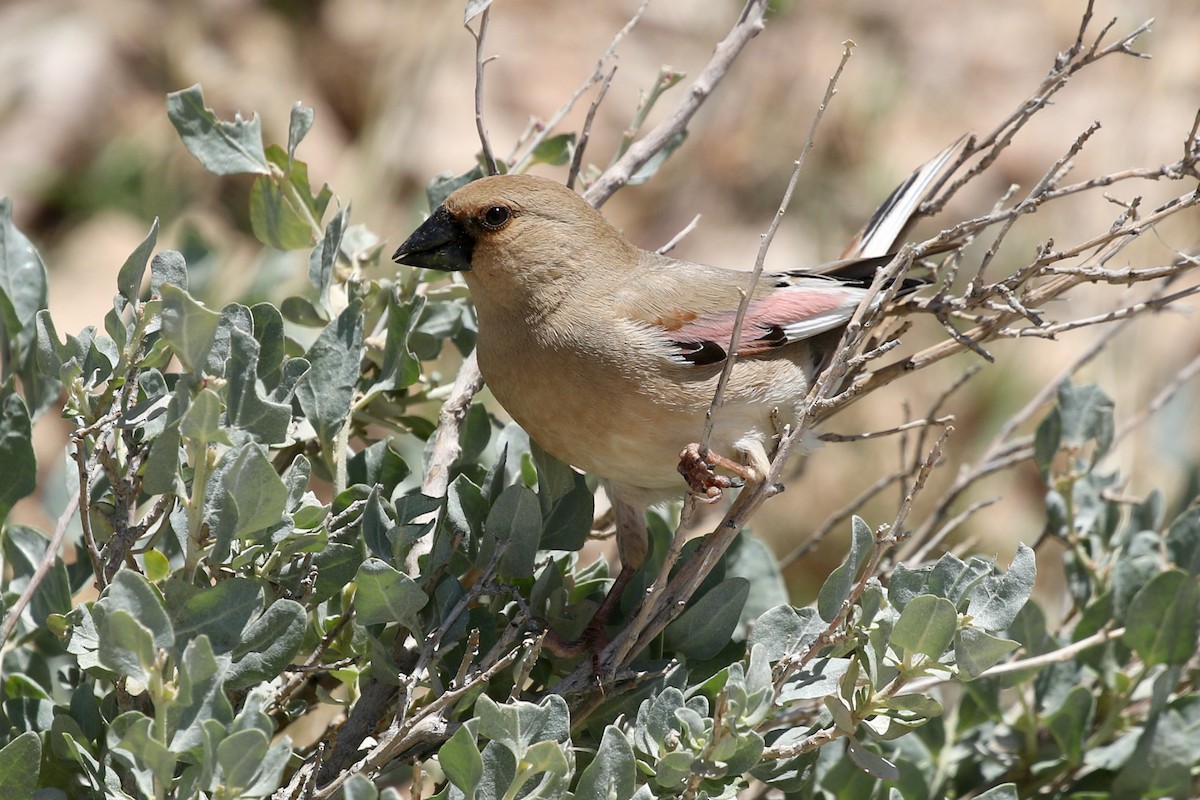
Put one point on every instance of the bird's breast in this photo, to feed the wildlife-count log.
(601, 402)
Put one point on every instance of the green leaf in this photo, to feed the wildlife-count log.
(24, 548)
(1046, 441)
(240, 754)
(871, 762)
(706, 627)
(998, 598)
(751, 558)
(219, 613)
(518, 724)
(268, 644)
(1161, 623)
(976, 651)
(326, 392)
(819, 679)
(837, 586)
(299, 123)
(612, 772)
(1071, 721)
(200, 697)
(546, 757)
(167, 268)
(474, 8)
(460, 760)
(323, 258)
(784, 631)
(1183, 541)
(1162, 763)
(926, 626)
(133, 730)
(267, 421)
(223, 148)
(1005, 791)
(23, 287)
(385, 594)
(126, 645)
(570, 519)
(18, 464)
(357, 787)
(132, 593)
(554, 150)
(284, 213)
(515, 525)
(400, 368)
(18, 760)
(188, 327)
(255, 492)
(1087, 413)
(129, 279)
(444, 184)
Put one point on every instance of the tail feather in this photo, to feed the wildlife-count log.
(892, 220)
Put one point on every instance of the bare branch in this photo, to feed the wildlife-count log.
(542, 131)
(677, 238)
(767, 238)
(586, 132)
(749, 23)
(489, 160)
(446, 447)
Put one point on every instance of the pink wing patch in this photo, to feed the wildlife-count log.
(776, 320)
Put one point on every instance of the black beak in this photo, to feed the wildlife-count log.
(441, 243)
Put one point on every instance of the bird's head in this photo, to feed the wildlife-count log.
(516, 234)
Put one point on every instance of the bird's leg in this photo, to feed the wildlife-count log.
(698, 467)
(631, 547)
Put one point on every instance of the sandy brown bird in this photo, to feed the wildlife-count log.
(608, 355)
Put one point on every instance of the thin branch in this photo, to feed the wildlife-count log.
(1163, 397)
(446, 446)
(586, 132)
(544, 130)
(749, 23)
(1059, 656)
(760, 260)
(39, 574)
(679, 237)
(928, 422)
(489, 160)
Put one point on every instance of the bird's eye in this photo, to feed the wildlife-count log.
(496, 217)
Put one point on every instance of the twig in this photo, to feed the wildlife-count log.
(677, 238)
(1163, 397)
(446, 446)
(928, 422)
(749, 23)
(545, 129)
(489, 160)
(923, 685)
(39, 574)
(586, 132)
(760, 260)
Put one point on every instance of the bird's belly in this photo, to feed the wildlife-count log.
(620, 426)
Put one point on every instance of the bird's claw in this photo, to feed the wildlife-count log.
(697, 468)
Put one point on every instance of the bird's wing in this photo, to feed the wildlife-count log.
(695, 307)
(694, 315)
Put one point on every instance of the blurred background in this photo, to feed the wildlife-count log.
(88, 158)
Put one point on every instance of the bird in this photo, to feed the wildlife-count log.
(608, 355)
